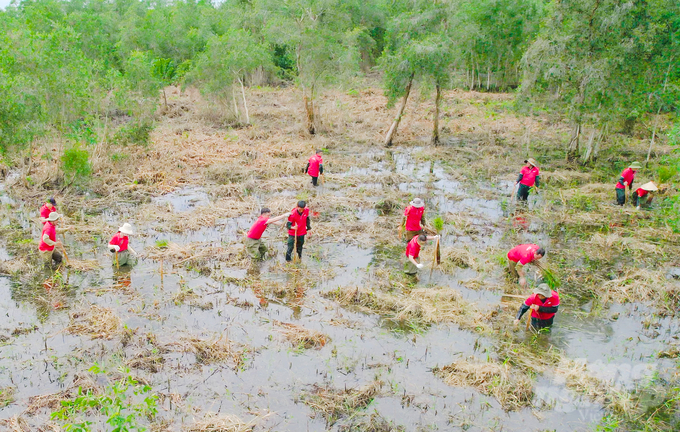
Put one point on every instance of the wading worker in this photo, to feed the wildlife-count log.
(413, 264)
(298, 225)
(414, 218)
(254, 245)
(543, 304)
(521, 255)
(528, 177)
(49, 242)
(626, 179)
(643, 196)
(47, 208)
(119, 244)
(315, 167)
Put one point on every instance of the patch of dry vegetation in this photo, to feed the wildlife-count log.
(334, 404)
(53, 401)
(7, 395)
(512, 389)
(96, 322)
(422, 305)
(301, 337)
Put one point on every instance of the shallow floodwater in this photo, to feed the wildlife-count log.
(42, 358)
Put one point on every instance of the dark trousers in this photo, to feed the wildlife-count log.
(291, 245)
(620, 196)
(523, 192)
(541, 324)
(315, 181)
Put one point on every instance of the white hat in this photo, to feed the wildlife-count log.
(544, 290)
(53, 216)
(126, 229)
(417, 202)
(649, 186)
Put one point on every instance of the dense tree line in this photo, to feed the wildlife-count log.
(67, 65)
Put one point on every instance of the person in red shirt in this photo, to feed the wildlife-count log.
(638, 197)
(48, 241)
(521, 255)
(47, 208)
(298, 225)
(413, 264)
(626, 179)
(119, 244)
(528, 177)
(414, 218)
(543, 303)
(315, 167)
(254, 245)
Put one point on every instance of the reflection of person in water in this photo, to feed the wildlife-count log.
(122, 277)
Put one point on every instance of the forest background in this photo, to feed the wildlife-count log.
(93, 70)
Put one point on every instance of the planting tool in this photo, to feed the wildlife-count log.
(529, 318)
(401, 232)
(296, 257)
(437, 257)
(514, 189)
(65, 254)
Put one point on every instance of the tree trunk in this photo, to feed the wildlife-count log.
(165, 98)
(309, 110)
(395, 124)
(588, 155)
(435, 121)
(488, 77)
(233, 98)
(573, 148)
(245, 104)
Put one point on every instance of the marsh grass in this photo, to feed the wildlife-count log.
(301, 337)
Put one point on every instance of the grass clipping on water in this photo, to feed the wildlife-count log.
(208, 352)
(334, 403)
(512, 390)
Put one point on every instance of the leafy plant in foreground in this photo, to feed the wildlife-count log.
(125, 402)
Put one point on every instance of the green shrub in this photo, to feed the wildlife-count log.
(75, 162)
(133, 133)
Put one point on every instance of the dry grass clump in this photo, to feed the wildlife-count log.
(333, 404)
(19, 424)
(513, 390)
(211, 351)
(634, 285)
(423, 305)
(455, 257)
(82, 265)
(222, 423)
(198, 253)
(14, 266)
(96, 321)
(299, 336)
(149, 360)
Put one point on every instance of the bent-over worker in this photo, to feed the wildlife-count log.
(626, 179)
(119, 243)
(254, 244)
(315, 167)
(298, 225)
(49, 242)
(543, 304)
(414, 218)
(47, 208)
(638, 197)
(528, 177)
(413, 264)
(521, 255)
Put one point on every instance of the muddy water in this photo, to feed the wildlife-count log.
(617, 347)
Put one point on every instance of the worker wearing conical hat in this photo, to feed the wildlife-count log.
(119, 245)
(626, 179)
(642, 197)
(528, 177)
